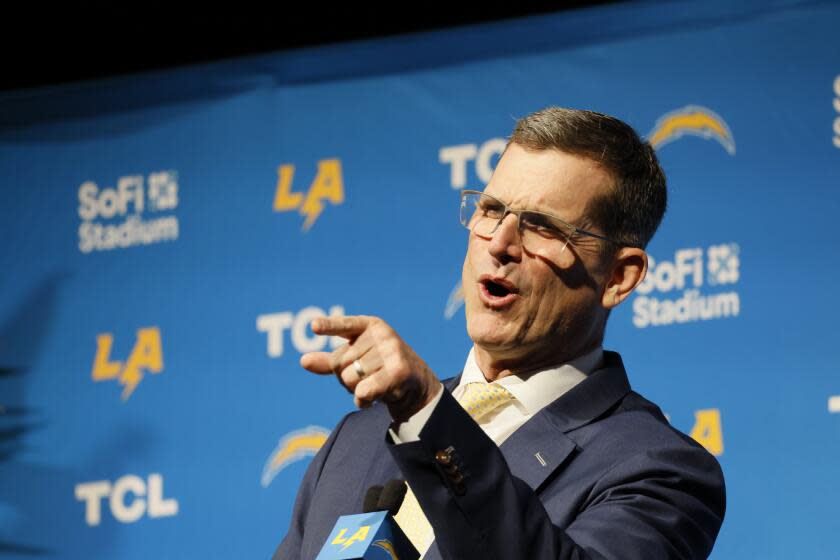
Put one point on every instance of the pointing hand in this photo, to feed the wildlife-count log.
(374, 364)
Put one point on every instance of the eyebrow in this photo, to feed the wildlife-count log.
(586, 223)
(552, 213)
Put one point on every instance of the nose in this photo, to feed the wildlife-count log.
(506, 243)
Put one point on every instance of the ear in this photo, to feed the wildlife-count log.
(628, 269)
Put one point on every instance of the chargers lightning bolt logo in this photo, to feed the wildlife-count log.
(695, 121)
(387, 547)
(292, 447)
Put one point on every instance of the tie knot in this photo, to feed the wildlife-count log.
(481, 398)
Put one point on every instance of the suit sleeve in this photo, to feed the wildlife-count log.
(664, 503)
(290, 547)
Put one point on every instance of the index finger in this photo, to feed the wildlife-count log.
(348, 327)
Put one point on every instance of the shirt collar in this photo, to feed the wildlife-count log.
(538, 389)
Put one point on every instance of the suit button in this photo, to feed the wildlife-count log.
(457, 478)
(444, 458)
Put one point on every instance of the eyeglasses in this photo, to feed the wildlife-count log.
(541, 233)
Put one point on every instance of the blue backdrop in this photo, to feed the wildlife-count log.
(167, 237)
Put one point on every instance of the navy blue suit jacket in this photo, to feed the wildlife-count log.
(599, 473)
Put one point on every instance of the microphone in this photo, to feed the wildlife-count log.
(372, 499)
(392, 496)
(372, 535)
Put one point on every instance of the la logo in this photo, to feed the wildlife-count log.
(146, 355)
(360, 535)
(328, 185)
(707, 430)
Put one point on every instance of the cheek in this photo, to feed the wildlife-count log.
(468, 276)
(466, 270)
(545, 304)
(550, 302)
(470, 270)
(466, 281)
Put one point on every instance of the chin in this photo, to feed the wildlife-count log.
(489, 332)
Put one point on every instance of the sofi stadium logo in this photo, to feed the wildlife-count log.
(695, 285)
(294, 446)
(116, 217)
(327, 186)
(146, 356)
(129, 499)
(836, 138)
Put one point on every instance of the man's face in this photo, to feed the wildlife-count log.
(521, 308)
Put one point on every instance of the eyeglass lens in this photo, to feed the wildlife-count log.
(540, 233)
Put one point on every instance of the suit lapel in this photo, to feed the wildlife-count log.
(536, 450)
(541, 446)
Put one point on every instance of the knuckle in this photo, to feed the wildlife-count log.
(376, 329)
(366, 390)
(391, 347)
(400, 369)
(347, 380)
(360, 391)
(379, 326)
(335, 361)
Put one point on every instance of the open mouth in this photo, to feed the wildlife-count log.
(495, 289)
(497, 292)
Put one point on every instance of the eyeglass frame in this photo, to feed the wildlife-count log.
(518, 213)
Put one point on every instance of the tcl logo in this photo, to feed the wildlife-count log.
(481, 158)
(129, 499)
(274, 325)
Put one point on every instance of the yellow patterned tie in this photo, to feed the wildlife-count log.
(481, 398)
(478, 400)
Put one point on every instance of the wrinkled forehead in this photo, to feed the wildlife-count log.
(548, 180)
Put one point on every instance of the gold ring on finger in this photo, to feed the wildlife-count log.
(360, 371)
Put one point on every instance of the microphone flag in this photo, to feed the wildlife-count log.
(367, 536)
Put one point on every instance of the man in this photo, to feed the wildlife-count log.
(555, 457)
